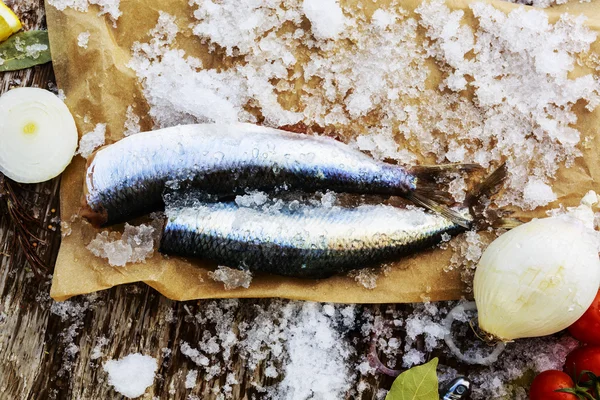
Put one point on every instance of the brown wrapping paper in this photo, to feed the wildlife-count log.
(99, 86)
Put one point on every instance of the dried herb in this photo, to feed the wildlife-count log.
(24, 50)
(22, 225)
(418, 383)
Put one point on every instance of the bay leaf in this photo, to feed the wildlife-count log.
(24, 50)
(418, 383)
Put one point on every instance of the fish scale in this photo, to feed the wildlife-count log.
(307, 243)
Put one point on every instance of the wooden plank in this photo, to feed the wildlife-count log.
(23, 319)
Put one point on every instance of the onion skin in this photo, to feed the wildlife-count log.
(537, 279)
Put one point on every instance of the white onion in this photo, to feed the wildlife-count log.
(538, 278)
(38, 136)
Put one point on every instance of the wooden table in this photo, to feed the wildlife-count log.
(37, 360)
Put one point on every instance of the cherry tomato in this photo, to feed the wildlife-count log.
(587, 328)
(586, 358)
(545, 384)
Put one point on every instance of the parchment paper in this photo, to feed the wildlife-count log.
(99, 87)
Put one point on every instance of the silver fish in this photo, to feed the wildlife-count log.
(313, 242)
(307, 243)
(128, 178)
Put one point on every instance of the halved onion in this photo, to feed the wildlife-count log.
(38, 136)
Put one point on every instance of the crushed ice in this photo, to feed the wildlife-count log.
(231, 278)
(132, 122)
(134, 245)
(370, 101)
(131, 375)
(110, 7)
(92, 140)
(82, 39)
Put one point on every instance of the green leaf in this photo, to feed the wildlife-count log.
(418, 383)
(24, 50)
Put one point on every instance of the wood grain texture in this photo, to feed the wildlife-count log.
(50, 355)
(23, 320)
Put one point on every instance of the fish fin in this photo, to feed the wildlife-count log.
(488, 187)
(476, 200)
(430, 196)
(506, 223)
(424, 201)
(430, 172)
(433, 192)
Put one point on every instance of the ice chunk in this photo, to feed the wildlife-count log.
(97, 350)
(590, 199)
(424, 324)
(329, 310)
(583, 212)
(191, 378)
(69, 310)
(82, 39)
(367, 277)
(413, 357)
(92, 140)
(34, 50)
(467, 250)
(271, 372)
(328, 199)
(381, 145)
(193, 354)
(232, 278)
(110, 7)
(65, 229)
(19, 45)
(458, 189)
(133, 246)
(132, 122)
(537, 193)
(105, 246)
(326, 17)
(382, 18)
(252, 199)
(131, 375)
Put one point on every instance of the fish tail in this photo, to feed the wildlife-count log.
(432, 172)
(428, 193)
(423, 199)
(477, 202)
(488, 187)
(430, 196)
